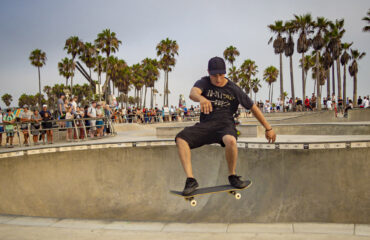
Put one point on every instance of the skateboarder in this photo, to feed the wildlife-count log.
(219, 99)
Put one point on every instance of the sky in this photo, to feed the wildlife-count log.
(202, 29)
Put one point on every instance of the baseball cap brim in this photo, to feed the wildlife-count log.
(217, 71)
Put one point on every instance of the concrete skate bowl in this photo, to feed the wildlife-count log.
(131, 181)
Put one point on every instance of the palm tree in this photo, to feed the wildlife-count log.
(66, 68)
(234, 74)
(151, 74)
(304, 24)
(137, 80)
(167, 50)
(353, 69)
(335, 34)
(123, 82)
(367, 20)
(7, 99)
(279, 47)
(344, 60)
(88, 55)
(38, 59)
(270, 76)
(230, 53)
(319, 74)
(255, 86)
(327, 63)
(247, 70)
(318, 42)
(74, 46)
(308, 63)
(108, 43)
(99, 69)
(289, 51)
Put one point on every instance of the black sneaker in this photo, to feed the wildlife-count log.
(236, 182)
(190, 186)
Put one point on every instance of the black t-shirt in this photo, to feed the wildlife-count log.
(299, 102)
(225, 100)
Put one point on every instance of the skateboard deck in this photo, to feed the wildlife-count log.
(209, 190)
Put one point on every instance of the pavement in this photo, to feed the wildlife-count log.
(35, 228)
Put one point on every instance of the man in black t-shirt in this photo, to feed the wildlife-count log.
(219, 99)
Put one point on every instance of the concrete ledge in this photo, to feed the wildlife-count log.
(33, 221)
(252, 228)
(260, 228)
(324, 228)
(84, 224)
(196, 227)
(362, 230)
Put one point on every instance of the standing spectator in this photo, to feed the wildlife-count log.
(74, 105)
(333, 99)
(25, 119)
(278, 105)
(350, 106)
(1, 127)
(46, 116)
(172, 113)
(290, 104)
(299, 105)
(99, 121)
(267, 106)
(9, 120)
(35, 126)
(340, 105)
(328, 104)
(91, 113)
(61, 108)
(69, 118)
(359, 101)
(313, 102)
(324, 102)
(166, 113)
(307, 104)
(366, 102)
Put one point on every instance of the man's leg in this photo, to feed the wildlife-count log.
(231, 152)
(185, 156)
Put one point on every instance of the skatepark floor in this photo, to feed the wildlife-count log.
(34, 228)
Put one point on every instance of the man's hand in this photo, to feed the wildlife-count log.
(205, 105)
(270, 136)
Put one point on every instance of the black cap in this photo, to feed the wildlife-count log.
(216, 65)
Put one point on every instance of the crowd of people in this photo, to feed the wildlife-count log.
(310, 104)
(93, 121)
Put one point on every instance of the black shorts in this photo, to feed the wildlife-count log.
(207, 133)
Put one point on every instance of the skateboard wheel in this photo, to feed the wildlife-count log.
(193, 203)
(232, 192)
(238, 196)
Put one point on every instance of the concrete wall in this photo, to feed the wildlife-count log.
(329, 185)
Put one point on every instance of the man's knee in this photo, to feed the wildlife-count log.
(229, 141)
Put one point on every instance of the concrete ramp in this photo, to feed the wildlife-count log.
(133, 183)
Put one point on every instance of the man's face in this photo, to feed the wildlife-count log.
(218, 80)
(44, 108)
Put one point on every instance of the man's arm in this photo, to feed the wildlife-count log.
(270, 134)
(196, 96)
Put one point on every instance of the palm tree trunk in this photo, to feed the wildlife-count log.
(332, 69)
(255, 96)
(339, 79)
(269, 92)
(151, 97)
(167, 89)
(355, 90)
(281, 79)
(145, 96)
(292, 81)
(39, 88)
(328, 82)
(303, 79)
(318, 99)
(164, 90)
(344, 86)
(272, 93)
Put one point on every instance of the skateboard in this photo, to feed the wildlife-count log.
(209, 190)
